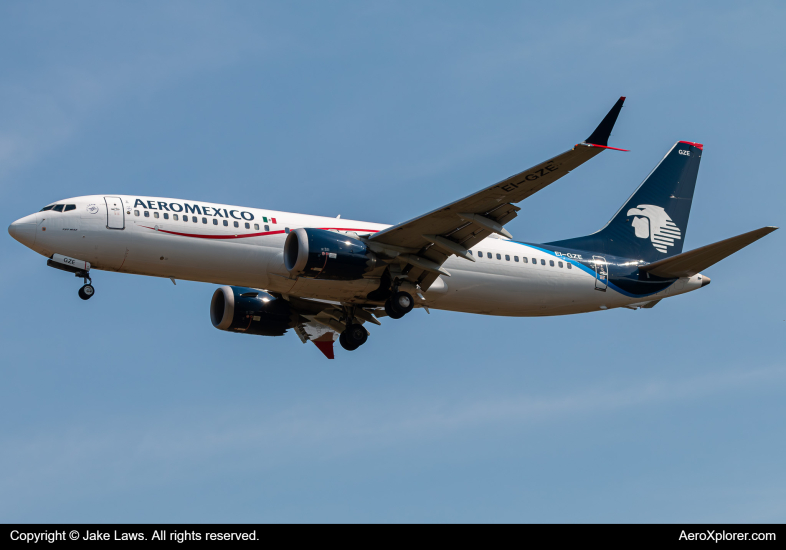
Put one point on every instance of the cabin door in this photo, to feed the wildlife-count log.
(115, 218)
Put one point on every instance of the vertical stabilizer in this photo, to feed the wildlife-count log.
(652, 224)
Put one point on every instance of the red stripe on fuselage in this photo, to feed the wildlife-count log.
(247, 235)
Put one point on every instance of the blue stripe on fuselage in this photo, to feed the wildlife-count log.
(590, 271)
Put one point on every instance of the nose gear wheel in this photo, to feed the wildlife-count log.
(87, 292)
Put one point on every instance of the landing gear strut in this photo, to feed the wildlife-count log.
(71, 265)
(87, 291)
(353, 337)
(399, 304)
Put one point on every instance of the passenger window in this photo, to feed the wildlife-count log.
(194, 219)
(174, 217)
(524, 260)
(515, 258)
(155, 214)
(204, 220)
(470, 252)
(570, 266)
(480, 254)
(147, 214)
(543, 262)
(166, 216)
(267, 228)
(551, 263)
(507, 257)
(185, 218)
(248, 225)
(237, 224)
(58, 208)
(45, 208)
(136, 212)
(215, 221)
(559, 263)
(488, 255)
(535, 261)
(286, 230)
(226, 223)
(499, 256)
(69, 207)
(256, 226)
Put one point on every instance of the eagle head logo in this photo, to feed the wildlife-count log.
(652, 222)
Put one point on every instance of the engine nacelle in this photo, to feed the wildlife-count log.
(321, 254)
(250, 311)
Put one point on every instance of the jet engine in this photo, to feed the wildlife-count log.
(320, 254)
(250, 311)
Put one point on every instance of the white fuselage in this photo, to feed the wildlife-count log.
(242, 246)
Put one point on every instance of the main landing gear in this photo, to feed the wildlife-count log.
(399, 304)
(353, 337)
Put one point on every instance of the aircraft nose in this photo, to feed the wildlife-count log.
(23, 230)
(705, 280)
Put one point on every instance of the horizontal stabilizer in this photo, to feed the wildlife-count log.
(690, 263)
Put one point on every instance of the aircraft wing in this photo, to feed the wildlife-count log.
(424, 243)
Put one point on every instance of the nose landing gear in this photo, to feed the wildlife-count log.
(87, 291)
(78, 268)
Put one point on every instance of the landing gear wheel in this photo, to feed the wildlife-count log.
(392, 314)
(86, 292)
(399, 305)
(353, 337)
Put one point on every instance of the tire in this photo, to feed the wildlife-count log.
(389, 310)
(86, 292)
(401, 303)
(342, 339)
(357, 335)
(353, 337)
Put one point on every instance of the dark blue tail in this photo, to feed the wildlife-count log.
(653, 222)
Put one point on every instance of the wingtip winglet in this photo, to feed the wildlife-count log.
(600, 137)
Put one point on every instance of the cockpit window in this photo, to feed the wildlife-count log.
(58, 207)
(69, 207)
(45, 208)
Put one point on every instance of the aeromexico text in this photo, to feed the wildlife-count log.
(186, 208)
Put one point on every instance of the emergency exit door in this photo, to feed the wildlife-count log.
(601, 273)
(115, 218)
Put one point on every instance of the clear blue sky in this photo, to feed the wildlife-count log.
(132, 407)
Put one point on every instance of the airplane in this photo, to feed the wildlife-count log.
(326, 278)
